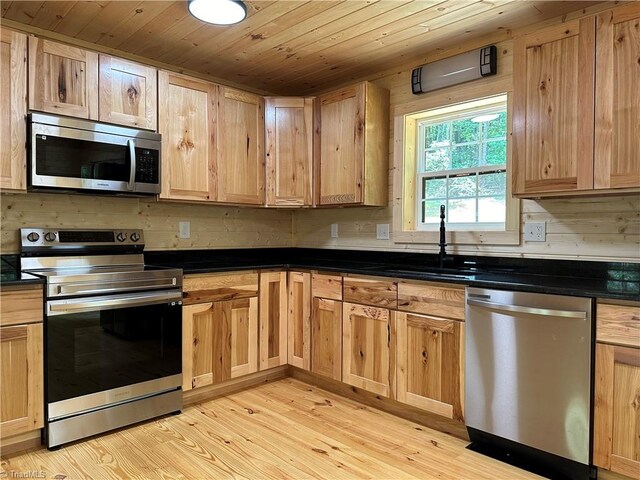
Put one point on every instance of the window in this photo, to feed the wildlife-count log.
(453, 147)
(461, 163)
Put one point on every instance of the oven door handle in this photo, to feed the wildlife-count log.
(110, 302)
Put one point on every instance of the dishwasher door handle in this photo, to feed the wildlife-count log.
(500, 307)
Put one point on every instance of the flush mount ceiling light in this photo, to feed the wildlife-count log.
(218, 12)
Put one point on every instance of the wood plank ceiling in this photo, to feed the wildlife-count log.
(287, 46)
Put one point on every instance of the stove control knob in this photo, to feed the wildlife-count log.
(121, 237)
(50, 236)
(135, 237)
(33, 237)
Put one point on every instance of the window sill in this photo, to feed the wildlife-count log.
(479, 237)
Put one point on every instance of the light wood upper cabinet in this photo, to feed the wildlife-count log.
(368, 348)
(352, 146)
(21, 361)
(299, 349)
(577, 106)
(240, 157)
(273, 319)
(13, 109)
(430, 364)
(617, 151)
(554, 72)
(63, 79)
(128, 93)
(289, 150)
(187, 114)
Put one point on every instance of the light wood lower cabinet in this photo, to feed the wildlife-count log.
(368, 348)
(21, 361)
(326, 338)
(299, 328)
(430, 364)
(273, 319)
(220, 341)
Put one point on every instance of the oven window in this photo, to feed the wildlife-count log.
(94, 351)
(72, 158)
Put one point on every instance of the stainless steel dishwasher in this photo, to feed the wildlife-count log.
(528, 390)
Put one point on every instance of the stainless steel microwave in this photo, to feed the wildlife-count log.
(69, 154)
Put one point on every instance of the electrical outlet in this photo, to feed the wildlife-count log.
(382, 231)
(334, 230)
(184, 229)
(535, 231)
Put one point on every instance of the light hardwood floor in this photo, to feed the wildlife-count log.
(284, 429)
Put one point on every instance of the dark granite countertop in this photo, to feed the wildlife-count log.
(10, 272)
(615, 280)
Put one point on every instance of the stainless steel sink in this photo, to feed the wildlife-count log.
(434, 272)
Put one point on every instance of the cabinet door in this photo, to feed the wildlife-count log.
(21, 379)
(240, 162)
(340, 155)
(299, 351)
(186, 116)
(617, 149)
(617, 416)
(553, 109)
(13, 89)
(368, 348)
(220, 341)
(128, 93)
(63, 79)
(430, 364)
(289, 150)
(326, 338)
(273, 319)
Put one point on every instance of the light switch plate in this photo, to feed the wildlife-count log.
(334, 230)
(382, 231)
(184, 229)
(535, 231)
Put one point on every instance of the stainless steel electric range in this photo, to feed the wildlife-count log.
(113, 330)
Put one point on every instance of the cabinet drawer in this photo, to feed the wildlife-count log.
(326, 286)
(18, 306)
(376, 292)
(431, 299)
(618, 324)
(219, 287)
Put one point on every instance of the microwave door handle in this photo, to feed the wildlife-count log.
(132, 173)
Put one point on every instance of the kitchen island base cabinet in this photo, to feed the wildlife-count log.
(369, 355)
(220, 341)
(430, 363)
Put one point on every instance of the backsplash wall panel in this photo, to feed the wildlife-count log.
(212, 226)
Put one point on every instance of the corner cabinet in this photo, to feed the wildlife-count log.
(568, 78)
(299, 316)
(289, 151)
(219, 328)
(13, 88)
(617, 389)
(352, 146)
(187, 116)
(21, 361)
(273, 319)
(240, 157)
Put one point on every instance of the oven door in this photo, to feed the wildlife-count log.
(111, 349)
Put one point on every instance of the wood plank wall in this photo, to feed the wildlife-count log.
(211, 226)
(587, 228)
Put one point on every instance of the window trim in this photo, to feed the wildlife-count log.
(404, 178)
